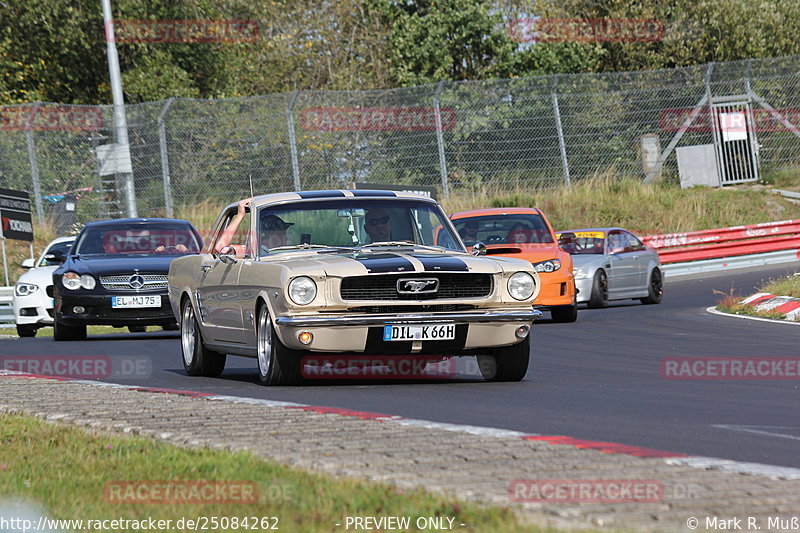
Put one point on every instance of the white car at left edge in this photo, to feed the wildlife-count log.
(33, 292)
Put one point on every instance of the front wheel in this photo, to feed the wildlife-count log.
(197, 359)
(655, 289)
(26, 330)
(599, 296)
(277, 364)
(63, 332)
(509, 363)
(137, 329)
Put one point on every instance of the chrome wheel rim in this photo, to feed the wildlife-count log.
(264, 343)
(188, 333)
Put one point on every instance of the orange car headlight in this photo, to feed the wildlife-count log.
(551, 265)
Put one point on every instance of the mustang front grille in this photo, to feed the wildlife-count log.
(134, 282)
(384, 287)
(396, 309)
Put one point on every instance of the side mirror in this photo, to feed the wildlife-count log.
(28, 263)
(228, 255)
(478, 249)
(54, 258)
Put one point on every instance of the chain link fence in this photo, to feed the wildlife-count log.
(512, 134)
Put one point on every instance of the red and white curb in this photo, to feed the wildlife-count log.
(764, 301)
(671, 458)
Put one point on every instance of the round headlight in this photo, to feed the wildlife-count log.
(87, 282)
(72, 281)
(521, 286)
(302, 290)
(24, 289)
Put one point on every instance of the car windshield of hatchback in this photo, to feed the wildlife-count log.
(167, 239)
(516, 228)
(354, 223)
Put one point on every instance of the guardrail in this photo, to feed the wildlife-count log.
(6, 311)
(726, 242)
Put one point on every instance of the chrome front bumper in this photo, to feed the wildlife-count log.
(416, 318)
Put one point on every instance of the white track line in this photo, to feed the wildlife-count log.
(749, 429)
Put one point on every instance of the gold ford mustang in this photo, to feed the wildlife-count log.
(284, 276)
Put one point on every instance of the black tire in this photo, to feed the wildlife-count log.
(171, 327)
(655, 288)
(26, 330)
(62, 332)
(564, 313)
(599, 296)
(137, 329)
(277, 364)
(509, 363)
(197, 359)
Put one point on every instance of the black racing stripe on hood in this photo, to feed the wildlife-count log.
(440, 263)
(380, 263)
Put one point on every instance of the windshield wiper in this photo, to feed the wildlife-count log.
(403, 243)
(308, 247)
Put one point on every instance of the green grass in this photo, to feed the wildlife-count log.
(643, 209)
(788, 286)
(63, 471)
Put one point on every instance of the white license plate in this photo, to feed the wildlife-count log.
(435, 332)
(132, 302)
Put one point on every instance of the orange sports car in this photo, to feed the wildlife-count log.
(525, 233)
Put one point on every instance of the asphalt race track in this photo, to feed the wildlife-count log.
(597, 379)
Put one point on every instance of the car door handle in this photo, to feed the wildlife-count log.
(205, 268)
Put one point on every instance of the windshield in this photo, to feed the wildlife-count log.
(516, 228)
(588, 242)
(58, 249)
(136, 239)
(354, 222)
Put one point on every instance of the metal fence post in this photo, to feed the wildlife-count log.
(561, 144)
(293, 141)
(440, 140)
(37, 188)
(162, 144)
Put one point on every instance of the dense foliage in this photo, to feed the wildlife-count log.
(55, 51)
